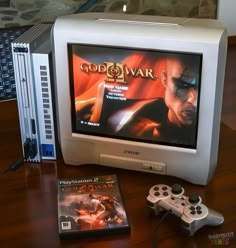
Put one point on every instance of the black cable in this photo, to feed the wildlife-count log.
(157, 226)
(13, 166)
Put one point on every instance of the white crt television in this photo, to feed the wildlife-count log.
(140, 92)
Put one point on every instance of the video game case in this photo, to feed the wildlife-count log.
(91, 206)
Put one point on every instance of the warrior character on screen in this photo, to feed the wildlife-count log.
(172, 118)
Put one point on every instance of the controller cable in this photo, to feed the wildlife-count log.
(29, 149)
(13, 166)
(157, 226)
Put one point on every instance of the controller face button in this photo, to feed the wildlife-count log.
(199, 212)
(156, 188)
(164, 188)
(192, 208)
(198, 207)
(157, 194)
(193, 212)
(165, 194)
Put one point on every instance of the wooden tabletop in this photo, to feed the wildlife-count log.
(28, 197)
(28, 203)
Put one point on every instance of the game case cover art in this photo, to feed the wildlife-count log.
(91, 205)
(149, 96)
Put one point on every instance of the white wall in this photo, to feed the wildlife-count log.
(227, 15)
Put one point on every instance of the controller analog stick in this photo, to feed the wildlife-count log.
(176, 189)
(194, 199)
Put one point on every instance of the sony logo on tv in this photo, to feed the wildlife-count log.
(131, 152)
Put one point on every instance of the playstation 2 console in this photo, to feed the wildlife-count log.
(31, 54)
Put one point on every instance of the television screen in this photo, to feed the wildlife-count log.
(140, 95)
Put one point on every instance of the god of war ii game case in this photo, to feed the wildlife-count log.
(91, 206)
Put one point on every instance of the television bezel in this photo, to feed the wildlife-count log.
(184, 35)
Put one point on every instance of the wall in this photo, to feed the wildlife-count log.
(226, 14)
(28, 12)
(180, 8)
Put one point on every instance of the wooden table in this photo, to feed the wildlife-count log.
(28, 198)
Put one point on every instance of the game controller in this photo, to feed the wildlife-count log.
(192, 212)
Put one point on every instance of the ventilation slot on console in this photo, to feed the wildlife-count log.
(46, 102)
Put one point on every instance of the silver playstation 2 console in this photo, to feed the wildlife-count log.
(31, 54)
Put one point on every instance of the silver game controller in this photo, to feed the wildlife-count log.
(192, 212)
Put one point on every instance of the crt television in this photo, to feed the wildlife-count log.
(140, 92)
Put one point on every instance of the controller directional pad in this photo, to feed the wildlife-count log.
(161, 191)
